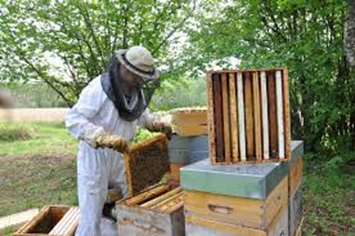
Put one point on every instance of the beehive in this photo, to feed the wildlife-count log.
(190, 121)
(52, 220)
(250, 199)
(295, 189)
(156, 211)
(248, 116)
(146, 163)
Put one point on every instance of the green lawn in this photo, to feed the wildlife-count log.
(39, 171)
(42, 171)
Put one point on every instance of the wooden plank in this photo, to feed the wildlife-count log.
(273, 140)
(296, 176)
(147, 195)
(207, 227)
(287, 118)
(217, 92)
(280, 120)
(15, 221)
(296, 211)
(226, 124)
(265, 120)
(67, 225)
(232, 210)
(249, 116)
(157, 200)
(168, 203)
(241, 118)
(211, 118)
(299, 230)
(176, 207)
(257, 115)
(233, 117)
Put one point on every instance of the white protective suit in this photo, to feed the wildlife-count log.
(98, 169)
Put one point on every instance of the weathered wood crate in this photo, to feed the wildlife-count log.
(146, 163)
(157, 211)
(190, 121)
(248, 116)
(52, 220)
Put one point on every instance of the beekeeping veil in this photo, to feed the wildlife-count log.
(139, 61)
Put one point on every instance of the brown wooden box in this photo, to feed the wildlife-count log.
(52, 220)
(156, 211)
(196, 226)
(248, 116)
(237, 211)
(190, 121)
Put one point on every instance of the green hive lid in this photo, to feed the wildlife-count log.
(249, 180)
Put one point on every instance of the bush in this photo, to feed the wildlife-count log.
(10, 133)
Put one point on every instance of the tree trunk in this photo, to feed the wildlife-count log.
(350, 56)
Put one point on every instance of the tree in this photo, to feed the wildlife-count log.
(350, 55)
(305, 36)
(67, 43)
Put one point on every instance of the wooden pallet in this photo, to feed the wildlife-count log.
(190, 121)
(248, 116)
(156, 211)
(146, 163)
(52, 220)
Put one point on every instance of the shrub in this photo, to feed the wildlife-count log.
(11, 132)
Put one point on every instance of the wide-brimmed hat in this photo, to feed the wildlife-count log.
(139, 61)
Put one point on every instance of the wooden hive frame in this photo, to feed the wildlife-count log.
(146, 163)
(248, 116)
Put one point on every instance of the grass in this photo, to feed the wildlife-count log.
(48, 139)
(42, 171)
(39, 171)
(329, 200)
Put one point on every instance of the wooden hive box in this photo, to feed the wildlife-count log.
(52, 220)
(248, 116)
(146, 163)
(150, 208)
(251, 199)
(158, 211)
(295, 188)
(190, 121)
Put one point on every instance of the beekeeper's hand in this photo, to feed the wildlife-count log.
(115, 142)
(162, 128)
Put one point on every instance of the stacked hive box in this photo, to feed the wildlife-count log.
(243, 200)
(295, 189)
(156, 211)
(191, 142)
(150, 209)
(248, 116)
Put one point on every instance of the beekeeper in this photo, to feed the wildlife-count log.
(105, 120)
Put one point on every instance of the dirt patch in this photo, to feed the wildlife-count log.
(35, 181)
